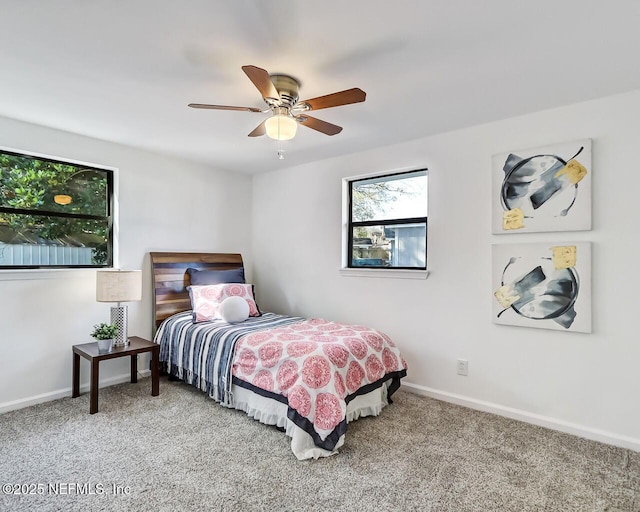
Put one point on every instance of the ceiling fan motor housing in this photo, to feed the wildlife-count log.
(288, 88)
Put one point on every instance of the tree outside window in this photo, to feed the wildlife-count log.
(388, 221)
(53, 213)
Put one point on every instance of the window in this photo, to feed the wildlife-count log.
(54, 214)
(388, 221)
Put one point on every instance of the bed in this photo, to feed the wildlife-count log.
(309, 377)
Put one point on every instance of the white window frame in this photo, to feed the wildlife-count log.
(19, 274)
(347, 271)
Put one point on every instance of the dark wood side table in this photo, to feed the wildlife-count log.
(90, 351)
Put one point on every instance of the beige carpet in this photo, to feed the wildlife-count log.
(181, 451)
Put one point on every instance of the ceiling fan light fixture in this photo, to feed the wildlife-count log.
(62, 199)
(281, 127)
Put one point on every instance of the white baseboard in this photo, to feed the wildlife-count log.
(472, 403)
(528, 417)
(61, 393)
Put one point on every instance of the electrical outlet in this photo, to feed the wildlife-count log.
(463, 367)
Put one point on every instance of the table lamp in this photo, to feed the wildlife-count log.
(119, 286)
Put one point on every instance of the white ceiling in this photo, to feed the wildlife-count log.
(124, 70)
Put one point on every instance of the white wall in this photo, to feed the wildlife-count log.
(164, 204)
(587, 384)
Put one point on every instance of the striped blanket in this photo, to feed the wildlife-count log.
(201, 354)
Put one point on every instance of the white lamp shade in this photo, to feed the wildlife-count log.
(281, 127)
(118, 285)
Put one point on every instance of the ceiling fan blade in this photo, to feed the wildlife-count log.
(259, 130)
(262, 81)
(337, 99)
(319, 125)
(223, 107)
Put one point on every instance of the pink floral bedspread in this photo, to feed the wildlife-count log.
(316, 364)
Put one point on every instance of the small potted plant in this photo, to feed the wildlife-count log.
(105, 334)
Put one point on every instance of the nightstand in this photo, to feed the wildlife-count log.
(90, 351)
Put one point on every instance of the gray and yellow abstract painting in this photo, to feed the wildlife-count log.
(545, 285)
(543, 189)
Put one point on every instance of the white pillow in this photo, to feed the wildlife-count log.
(234, 310)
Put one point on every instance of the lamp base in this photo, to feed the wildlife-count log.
(120, 317)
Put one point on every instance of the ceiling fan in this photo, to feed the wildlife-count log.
(280, 93)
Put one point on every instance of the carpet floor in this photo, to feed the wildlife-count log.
(181, 451)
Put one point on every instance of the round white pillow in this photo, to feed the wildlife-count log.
(234, 310)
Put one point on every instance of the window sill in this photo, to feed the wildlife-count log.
(383, 272)
(44, 273)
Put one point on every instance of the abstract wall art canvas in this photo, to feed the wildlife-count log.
(543, 285)
(543, 189)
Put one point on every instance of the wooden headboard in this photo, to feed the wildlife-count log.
(170, 278)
